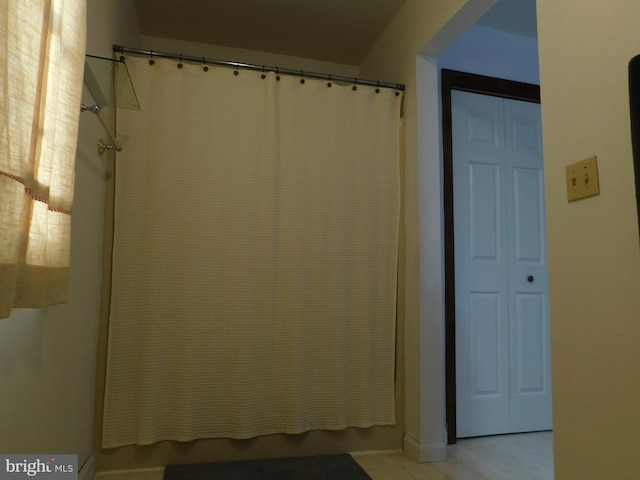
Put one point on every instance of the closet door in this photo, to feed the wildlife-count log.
(502, 335)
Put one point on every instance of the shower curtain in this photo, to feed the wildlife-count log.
(254, 256)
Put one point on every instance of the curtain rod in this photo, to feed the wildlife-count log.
(261, 68)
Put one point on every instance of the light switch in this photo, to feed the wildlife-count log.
(582, 179)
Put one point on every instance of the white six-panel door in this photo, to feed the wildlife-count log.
(502, 324)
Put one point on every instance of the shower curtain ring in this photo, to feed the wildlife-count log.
(151, 60)
(378, 86)
(180, 62)
(301, 76)
(329, 82)
(263, 76)
(206, 67)
(355, 84)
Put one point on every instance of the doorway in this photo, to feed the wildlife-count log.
(505, 391)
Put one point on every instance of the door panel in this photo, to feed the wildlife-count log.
(529, 367)
(482, 336)
(530, 382)
(485, 344)
(502, 337)
(484, 222)
(528, 221)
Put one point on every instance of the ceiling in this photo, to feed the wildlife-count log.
(339, 31)
(512, 16)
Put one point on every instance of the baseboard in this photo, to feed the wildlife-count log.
(88, 469)
(423, 453)
(148, 472)
(367, 453)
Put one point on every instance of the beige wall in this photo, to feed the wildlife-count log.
(422, 28)
(47, 356)
(219, 52)
(594, 254)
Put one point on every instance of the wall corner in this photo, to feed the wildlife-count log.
(424, 453)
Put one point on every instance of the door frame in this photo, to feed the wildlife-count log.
(497, 87)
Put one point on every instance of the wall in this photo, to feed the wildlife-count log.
(219, 52)
(47, 356)
(494, 53)
(594, 254)
(406, 53)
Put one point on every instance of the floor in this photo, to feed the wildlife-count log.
(526, 456)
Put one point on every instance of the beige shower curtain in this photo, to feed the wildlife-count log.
(254, 257)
